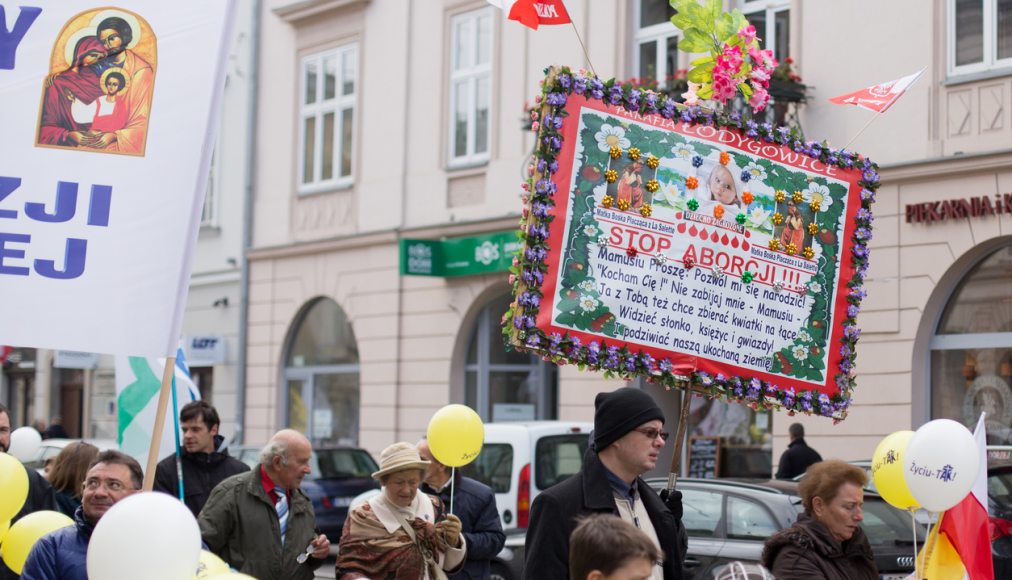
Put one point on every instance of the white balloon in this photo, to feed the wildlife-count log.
(940, 464)
(146, 535)
(25, 442)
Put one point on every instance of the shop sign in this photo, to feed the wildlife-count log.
(206, 350)
(72, 359)
(960, 208)
(459, 256)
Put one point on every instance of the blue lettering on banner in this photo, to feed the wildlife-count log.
(64, 209)
(10, 39)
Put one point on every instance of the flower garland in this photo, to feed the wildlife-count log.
(529, 268)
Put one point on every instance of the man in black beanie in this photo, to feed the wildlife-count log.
(628, 437)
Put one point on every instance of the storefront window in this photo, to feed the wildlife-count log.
(745, 436)
(322, 376)
(971, 352)
(506, 386)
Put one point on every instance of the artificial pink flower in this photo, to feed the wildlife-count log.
(690, 96)
(759, 98)
(761, 76)
(730, 59)
(747, 34)
(724, 86)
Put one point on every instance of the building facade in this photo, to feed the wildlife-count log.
(390, 136)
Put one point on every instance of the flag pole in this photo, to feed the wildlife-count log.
(175, 420)
(156, 434)
(584, 47)
(870, 121)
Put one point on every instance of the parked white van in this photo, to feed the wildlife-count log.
(522, 459)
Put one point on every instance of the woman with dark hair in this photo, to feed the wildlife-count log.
(68, 474)
(80, 82)
(826, 542)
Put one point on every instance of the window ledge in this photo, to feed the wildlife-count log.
(209, 230)
(314, 190)
(959, 79)
(296, 12)
(467, 167)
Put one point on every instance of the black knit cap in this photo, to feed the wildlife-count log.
(619, 412)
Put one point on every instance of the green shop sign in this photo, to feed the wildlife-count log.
(459, 256)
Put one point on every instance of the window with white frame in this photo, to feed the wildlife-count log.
(327, 119)
(470, 86)
(656, 50)
(772, 21)
(980, 35)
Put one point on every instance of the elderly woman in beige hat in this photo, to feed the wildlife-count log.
(400, 534)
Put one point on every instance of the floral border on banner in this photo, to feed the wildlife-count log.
(530, 266)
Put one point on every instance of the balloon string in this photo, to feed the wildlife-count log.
(453, 474)
(913, 528)
(930, 540)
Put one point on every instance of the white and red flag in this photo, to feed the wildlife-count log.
(533, 13)
(879, 97)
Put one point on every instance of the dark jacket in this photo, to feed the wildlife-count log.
(67, 503)
(807, 550)
(555, 510)
(201, 472)
(474, 504)
(798, 457)
(240, 525)
(40, 497)
(61, 555)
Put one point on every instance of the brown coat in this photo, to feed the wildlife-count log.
(807, 550)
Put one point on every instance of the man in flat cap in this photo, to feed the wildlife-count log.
(628, 437)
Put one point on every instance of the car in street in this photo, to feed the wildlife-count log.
(521, 459)
(729, 520)
(50, 448)
(999, 508)
(337, 475)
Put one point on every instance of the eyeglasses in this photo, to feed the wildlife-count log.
(112, 485)
(652, 433)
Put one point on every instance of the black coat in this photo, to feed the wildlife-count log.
(201, 472)
(555, 510)
(40, 497)
(474, 504)
(798, 457)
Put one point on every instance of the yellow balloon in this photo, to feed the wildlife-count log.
(887, 471)
(210, 565)
(13, 486)
(4, 526)
(455, 435)
(26, 531)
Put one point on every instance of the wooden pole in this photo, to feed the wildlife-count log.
(156, 435)
(683, 424)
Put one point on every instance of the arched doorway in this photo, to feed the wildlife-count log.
(321, 375)
(501, 385)
(971, 348)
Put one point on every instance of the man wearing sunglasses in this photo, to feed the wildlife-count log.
(62, 555)
(627, 440)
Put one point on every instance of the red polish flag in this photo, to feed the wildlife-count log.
(878, 98)
(532, 13)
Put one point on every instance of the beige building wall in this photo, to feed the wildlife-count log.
(948, 137)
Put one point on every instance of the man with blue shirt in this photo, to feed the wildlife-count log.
(628, 438)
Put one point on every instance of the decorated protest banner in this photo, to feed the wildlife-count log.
(109, 116)
(671, 242)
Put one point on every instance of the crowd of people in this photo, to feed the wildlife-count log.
(605, 522)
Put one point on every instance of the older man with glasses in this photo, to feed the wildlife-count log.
(62, 555)
(628, 438)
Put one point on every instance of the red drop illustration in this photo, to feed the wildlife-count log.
(681, 228)
(715, 237)
(745, 246)
(692, 231)
(748, 234)
(734, 242)
(724, 239)
(678, 215)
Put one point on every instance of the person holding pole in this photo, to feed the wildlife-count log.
(474, 503)
(260, 522)
(206, 461)
(628, 437)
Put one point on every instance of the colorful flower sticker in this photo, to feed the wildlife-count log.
(611, 136)
(756, 171)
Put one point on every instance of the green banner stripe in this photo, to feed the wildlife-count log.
(137, 394)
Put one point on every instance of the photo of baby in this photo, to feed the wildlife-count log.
(723, 187)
